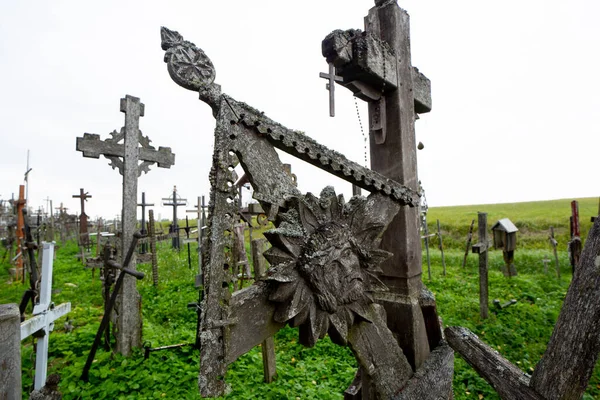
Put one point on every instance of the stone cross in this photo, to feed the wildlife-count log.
(376, 66)
(482, 248)
(333, 78)
(175, 202)
(83, 220)
(143, 231)
(126, 157)
(44, 315)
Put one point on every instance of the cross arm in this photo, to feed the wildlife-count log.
(480, 248)
(40, 321)
(362, 58)
(92, 147)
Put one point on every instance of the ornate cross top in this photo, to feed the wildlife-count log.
(120, 154)
(333, 78)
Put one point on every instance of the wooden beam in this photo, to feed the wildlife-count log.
(566, 367)
(509, 381)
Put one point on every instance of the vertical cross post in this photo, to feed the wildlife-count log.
(84, 238)
(44, 315)
(394, 155)
(143, 231)
(20, 233)
(152, 237)
(174, 202)
(481, 248)
(10, 352)
(126, 157)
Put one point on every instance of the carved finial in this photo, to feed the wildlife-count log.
(188, 65)
(381, 3)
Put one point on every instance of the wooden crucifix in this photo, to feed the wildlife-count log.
(126, 157)
(482, 248)
(143, 230)
(174, 202)
(84, 238)
(376, 66)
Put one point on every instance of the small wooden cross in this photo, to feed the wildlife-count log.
(333, 78)
(83, 222)
(481, 248)
(174, 202)
(45, 313)
(144, 231)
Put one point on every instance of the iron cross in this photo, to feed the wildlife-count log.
(333, 78)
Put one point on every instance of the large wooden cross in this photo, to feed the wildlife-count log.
(20, 205)
(376, 66)
(126, 157)
(83, 220)
(44, 315)
(482, 248)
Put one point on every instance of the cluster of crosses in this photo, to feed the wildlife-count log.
(351, 270)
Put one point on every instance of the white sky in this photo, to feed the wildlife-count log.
(516, 93)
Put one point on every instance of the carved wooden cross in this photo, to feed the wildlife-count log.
(175, 202)
(83, 220)
(481, 248)
(333, 78)
(376, 66)
(126, 157)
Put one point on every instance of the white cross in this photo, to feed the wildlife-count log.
(44, 315)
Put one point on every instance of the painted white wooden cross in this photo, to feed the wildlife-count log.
(44, 315)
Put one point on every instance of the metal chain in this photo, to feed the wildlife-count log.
(362, 132)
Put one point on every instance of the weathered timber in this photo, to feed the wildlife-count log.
(126, 156)
(441, 246)
(251, 321)
(554, 243)
(259, 262)
(469, 240)
(152, 235)
(10, 352)
(375, 349)
(509, 381)
(567, 364)
(84, 238)
(481, 248)
(434, 379)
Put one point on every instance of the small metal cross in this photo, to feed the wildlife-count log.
(333, 78)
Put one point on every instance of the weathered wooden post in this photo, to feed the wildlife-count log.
(143, 230)
(469, 240)
(258, 247)
(10, 352)
(126, 158)
(240, 257)
(152, 238)
(575, 244)
(441, 246)
(174, 202)
(84, 238)
(481, 248)
(20, 234)
(554, 243)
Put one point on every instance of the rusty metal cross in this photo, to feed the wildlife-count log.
(333, 78)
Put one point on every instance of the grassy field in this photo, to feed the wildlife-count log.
(519, 332)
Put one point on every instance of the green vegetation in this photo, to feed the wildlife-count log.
(519, 332)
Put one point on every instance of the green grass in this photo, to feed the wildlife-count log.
(520, 332)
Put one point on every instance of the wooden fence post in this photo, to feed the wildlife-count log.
(10, 352)
(469, 240)
(441, 245)
(268, 346)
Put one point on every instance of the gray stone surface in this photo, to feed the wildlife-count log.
(10, 352)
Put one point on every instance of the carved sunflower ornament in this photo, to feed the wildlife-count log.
(325, 260)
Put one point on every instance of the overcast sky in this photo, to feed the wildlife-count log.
(515, 86)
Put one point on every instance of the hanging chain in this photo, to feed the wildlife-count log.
(362, 132)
